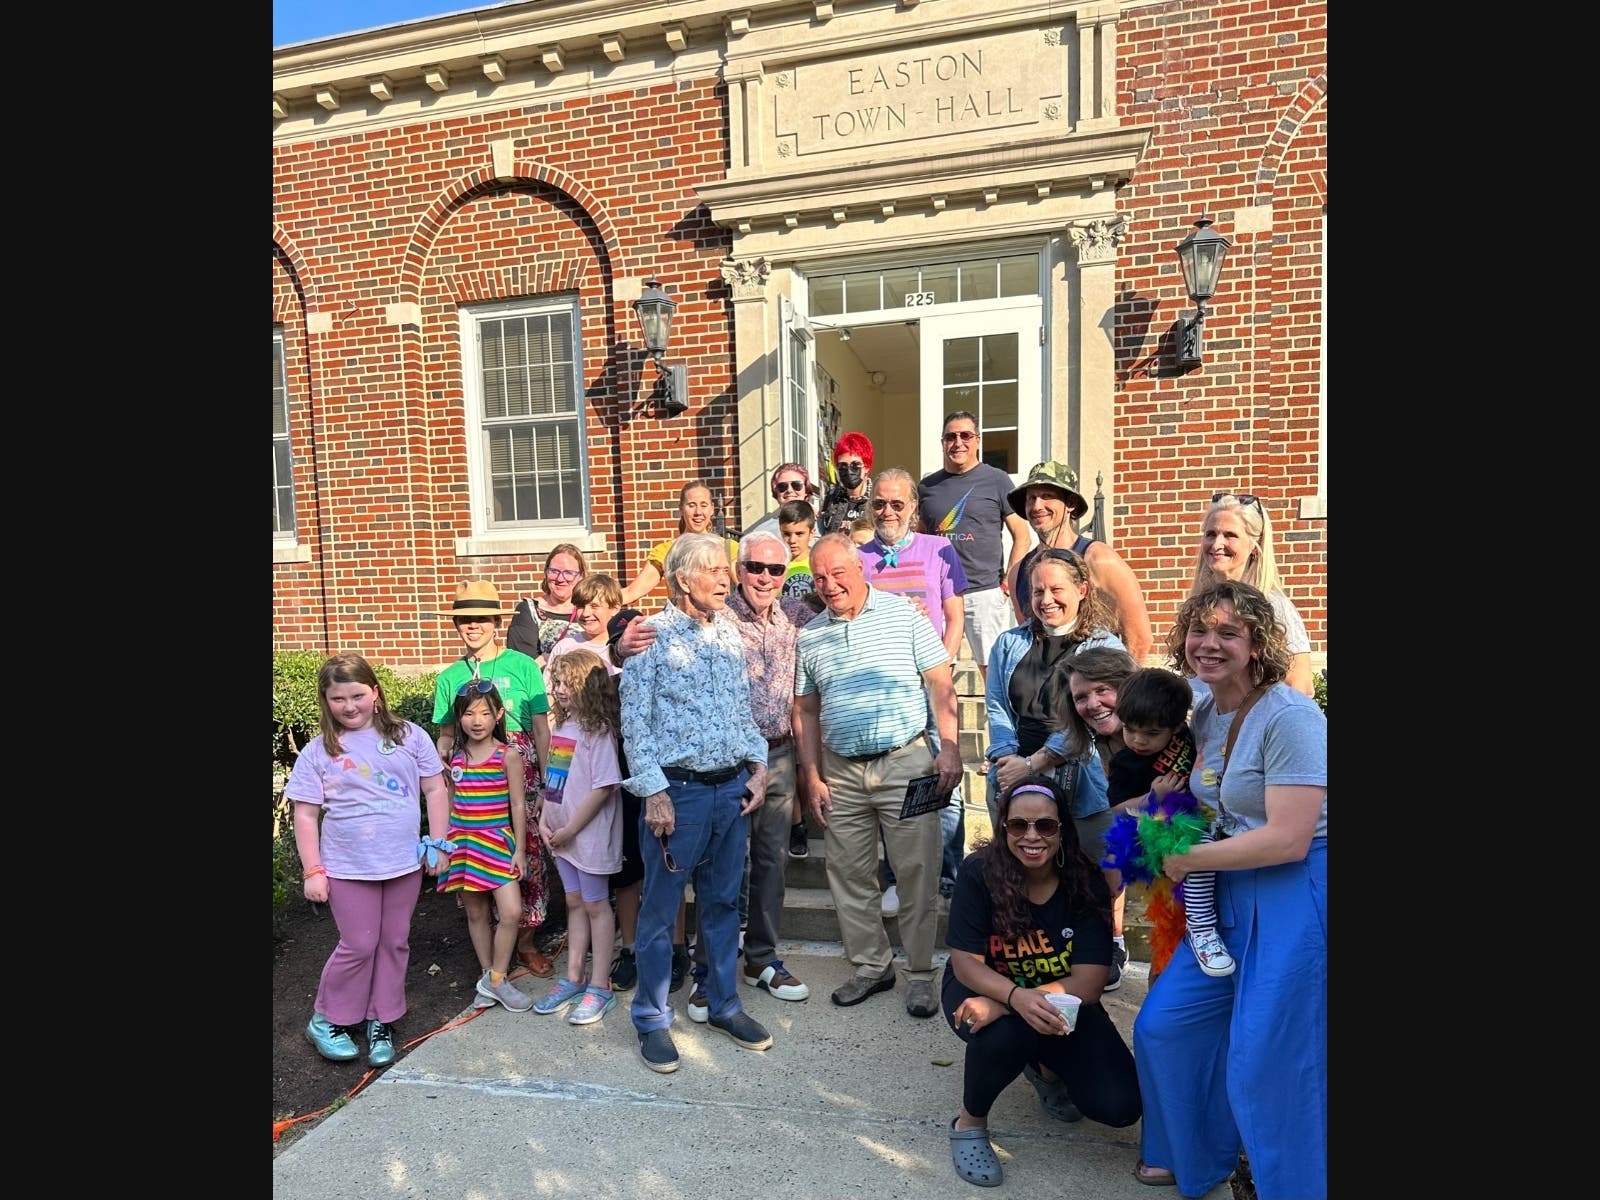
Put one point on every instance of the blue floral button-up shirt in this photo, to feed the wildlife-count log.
(686, 702)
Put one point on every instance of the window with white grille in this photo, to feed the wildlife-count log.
(282, 460)
(524, 411)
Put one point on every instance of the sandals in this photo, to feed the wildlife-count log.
(1165, 1179)
(973, 1156)
(1053, 1097)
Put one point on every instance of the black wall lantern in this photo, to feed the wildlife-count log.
(654, 309)
(1200, 255)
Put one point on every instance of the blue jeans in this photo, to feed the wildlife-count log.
(708, 844)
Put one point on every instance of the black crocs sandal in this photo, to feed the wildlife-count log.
(973, 1156)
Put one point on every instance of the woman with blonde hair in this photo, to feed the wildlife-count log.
(1236, 543)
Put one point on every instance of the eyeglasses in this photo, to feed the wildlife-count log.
(776, 570)
(897, 505)
(961, 435)
(1241, 497)
(791, 485)
(554, 573)
(666, 856)
(482, 686)
(1047, 826)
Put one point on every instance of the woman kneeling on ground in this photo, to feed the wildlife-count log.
(1031, 916)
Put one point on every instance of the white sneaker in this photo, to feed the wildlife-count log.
(1210, 953)
(891, 901)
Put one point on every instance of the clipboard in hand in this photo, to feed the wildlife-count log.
(923, 796)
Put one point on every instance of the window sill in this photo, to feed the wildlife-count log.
(1313, 508)
(484, 546)
(284, 552)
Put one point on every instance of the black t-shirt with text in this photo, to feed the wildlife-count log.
(1059, 938)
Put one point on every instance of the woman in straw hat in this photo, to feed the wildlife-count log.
(477, 615)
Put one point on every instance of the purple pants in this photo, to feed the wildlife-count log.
(364, 978)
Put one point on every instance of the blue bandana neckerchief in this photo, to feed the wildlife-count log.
(891, 554)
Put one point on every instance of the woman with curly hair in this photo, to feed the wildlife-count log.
(1031, 916)
(1241, 1060)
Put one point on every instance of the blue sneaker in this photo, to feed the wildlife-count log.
(594, 1005)
(332, 1041)
(562, 993)
(380, 1043)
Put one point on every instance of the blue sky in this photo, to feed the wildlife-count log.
(303, 20)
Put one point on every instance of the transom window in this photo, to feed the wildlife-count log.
(282, 462)
(525, 413)
(857, 292)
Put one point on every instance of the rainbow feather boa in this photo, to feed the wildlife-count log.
(1137, 845)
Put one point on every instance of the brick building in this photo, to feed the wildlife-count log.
(868, 213)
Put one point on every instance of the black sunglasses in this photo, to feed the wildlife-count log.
(961, 435)
(1241, 497)
(897, 505)
(482, 686)
(791, 485)
(666, 856)
(776, 570)
(1047, 826)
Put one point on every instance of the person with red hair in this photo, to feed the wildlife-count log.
(847, 499)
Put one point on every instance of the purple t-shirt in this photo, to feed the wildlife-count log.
(580, 762)
(927, 569)
(373, 796)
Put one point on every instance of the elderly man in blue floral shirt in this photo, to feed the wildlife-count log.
(700, 762)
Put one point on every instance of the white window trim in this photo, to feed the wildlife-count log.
(526, 539)
(285, 545)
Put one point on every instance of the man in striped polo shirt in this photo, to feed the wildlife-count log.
(867, 672)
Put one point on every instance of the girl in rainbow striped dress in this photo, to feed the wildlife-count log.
(487, 824)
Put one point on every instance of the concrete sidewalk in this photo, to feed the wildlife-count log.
(848, 1103)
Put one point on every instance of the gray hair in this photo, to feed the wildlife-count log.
(760, 537)
(895, 473)
(692, 552)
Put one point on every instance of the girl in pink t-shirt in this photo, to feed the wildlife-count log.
(582, 825)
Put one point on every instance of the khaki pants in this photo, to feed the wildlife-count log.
(866, 799)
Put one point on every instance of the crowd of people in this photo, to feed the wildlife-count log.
(625, 755)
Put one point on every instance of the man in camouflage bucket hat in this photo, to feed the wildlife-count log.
(1049, 500)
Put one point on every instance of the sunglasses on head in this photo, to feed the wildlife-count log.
(897, 505)
(961, 435)
(1241, 497)
(666, 856)
(791, 485)
(776, 570)
(1047, 826)
(481, 686)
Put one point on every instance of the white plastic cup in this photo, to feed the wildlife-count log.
(1066, 1005)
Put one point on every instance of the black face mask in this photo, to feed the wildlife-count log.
(850, 474)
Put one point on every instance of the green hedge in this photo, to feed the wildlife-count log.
(1320, 683)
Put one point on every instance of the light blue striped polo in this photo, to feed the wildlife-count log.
(868, 672)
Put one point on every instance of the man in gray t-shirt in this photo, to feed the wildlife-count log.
(967, 501)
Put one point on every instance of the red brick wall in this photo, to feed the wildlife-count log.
(605, 190)
(1237, 95)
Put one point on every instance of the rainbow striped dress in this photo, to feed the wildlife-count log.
(480, 825)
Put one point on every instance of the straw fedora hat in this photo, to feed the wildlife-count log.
(1050, 474)
(476, 598)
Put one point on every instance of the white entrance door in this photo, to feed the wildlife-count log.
(985, 361)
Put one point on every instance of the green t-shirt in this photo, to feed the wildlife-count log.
(517, 678)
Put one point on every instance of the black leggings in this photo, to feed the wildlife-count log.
(1093, 1060)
